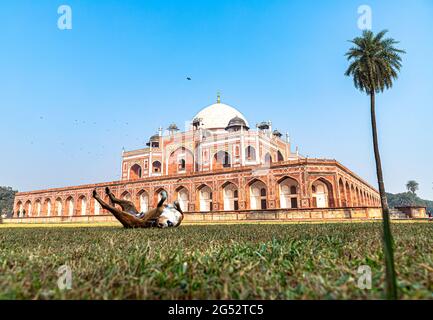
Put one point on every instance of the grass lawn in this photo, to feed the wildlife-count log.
(248, 261)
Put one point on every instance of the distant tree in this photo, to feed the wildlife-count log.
(7, 196)
(408, 199)
(374, 65)
(412, 186)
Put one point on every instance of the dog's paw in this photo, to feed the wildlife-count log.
(176, 205)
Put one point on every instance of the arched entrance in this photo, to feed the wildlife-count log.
(348, 195)
(181, 161)
(96, 207)
(268, 159)
(70, 206)
(183, 198)
(258, 195)
(250, 153)
(82, 205)
(38, 208)
(280, 156)
(143, 201)
(156, 167)
(59, 207)
(125, 196)
(353, 193)
(205, 198)
(322, 196)
(358, 202)
(28, 207)
(19, 209)
(230, 196)
(288, 189)
(221, 160)
(47, 207)
(135, 172)
(343, 200)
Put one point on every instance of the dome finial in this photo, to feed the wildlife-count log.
(218, 97)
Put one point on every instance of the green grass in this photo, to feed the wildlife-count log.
(252, 261)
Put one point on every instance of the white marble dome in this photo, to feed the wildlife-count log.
(217, 116)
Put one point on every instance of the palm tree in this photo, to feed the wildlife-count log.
(374, 65)
(412, 186)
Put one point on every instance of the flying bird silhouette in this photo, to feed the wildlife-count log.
(188, 78)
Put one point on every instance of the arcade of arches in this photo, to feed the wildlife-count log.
(223, 192)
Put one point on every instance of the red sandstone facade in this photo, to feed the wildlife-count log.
(217, 165)
(344, 189)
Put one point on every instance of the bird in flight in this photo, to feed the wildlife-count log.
(188, 78)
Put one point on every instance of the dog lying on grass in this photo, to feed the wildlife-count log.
(163, 216)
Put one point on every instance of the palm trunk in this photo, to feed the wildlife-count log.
(391, 286)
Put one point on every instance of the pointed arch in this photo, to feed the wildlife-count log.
(258, 192)
(28, 207)
(156, 166)
(125, 195)
(38, 208)
(357, 196)
(59, 207)
(348, 195)
(288, 191)
(280, 156)
(82, 205)
(181, 160)
(70, 206)
(230, 196)
(19, 209)
(142, 200)
(221, 160)
(267, 159)
(342, 190)
(96, 208)
(204, 198)
(250, 153)
(47, 207)
(353, 192)
(182, 195)
(135, 172)
(322, 194)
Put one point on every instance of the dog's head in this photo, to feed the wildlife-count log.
(171, 216)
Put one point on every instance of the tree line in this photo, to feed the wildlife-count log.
(7, 195)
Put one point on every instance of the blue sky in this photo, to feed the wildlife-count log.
(70, 100)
